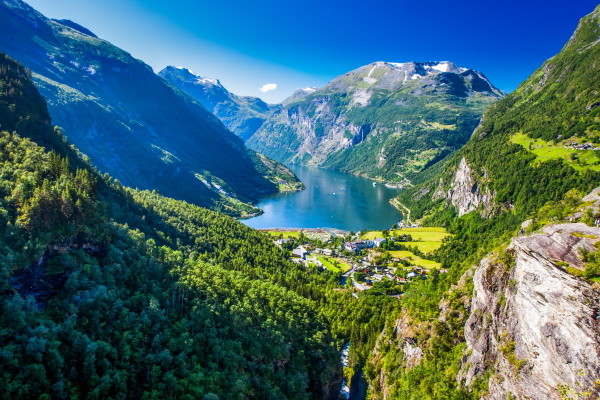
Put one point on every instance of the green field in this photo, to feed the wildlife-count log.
(428, 238)
(425, 247)
(415, 260)
(579, 159)
(329, 264)
(286, 234)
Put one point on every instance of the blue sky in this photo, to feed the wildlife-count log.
(247, 44)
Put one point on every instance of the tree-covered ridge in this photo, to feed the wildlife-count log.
(129, 121)
(103, 297)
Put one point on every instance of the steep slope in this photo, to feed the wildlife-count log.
(515, 315)
(243, 115)
(128, 120)
(109, 292)
(388, 121)
(533, 145)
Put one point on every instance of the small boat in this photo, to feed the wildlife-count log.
(374, 183)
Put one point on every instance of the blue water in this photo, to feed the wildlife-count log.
(331, 200)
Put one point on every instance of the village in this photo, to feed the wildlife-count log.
(368, 262)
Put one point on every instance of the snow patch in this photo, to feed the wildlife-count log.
(205, 81)
(442, 67)
(369, 80)
(371, 71)
(397, 65)
(189, 71)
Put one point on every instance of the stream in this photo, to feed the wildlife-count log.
(357, 388)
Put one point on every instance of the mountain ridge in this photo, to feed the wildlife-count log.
(243, 115)
(129, 121)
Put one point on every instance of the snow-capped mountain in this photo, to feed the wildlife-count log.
(384, 120)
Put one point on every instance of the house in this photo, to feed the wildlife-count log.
(411, 275)
(355, 247)
(279, 242)
(378, 242)
(299, 252)
(327, 252)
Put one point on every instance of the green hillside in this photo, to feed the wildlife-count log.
(129, 121)
(108, 292)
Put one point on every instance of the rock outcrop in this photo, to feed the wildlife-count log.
(466, 194)
(533, 323)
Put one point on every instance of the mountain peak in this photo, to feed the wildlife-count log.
(393, 75)
(184, 74)
(298, 95)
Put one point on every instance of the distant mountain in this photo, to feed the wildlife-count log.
(243, 115)
(129, 121)
(385, 120)
(299, 95)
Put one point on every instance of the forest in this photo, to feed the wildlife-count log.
(111, 292)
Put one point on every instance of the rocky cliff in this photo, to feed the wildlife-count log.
(532, 323)
(466, 193)
(523, 323)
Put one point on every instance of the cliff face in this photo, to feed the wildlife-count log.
(520, 324)
(317, 132)
(533, 323)
(466, 193)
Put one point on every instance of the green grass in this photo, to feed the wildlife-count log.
(544, 151)
(426, 234)
(415, 260)
(429, 238)
(329, 264)
(425, 247)
(286, 234)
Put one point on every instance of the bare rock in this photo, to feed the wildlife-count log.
(532, 322)
(466, 194)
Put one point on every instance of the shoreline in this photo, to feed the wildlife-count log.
(338, 232)
(405, 211)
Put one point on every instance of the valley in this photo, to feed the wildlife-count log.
(429, 237)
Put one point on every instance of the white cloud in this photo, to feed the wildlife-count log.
(268, 87)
